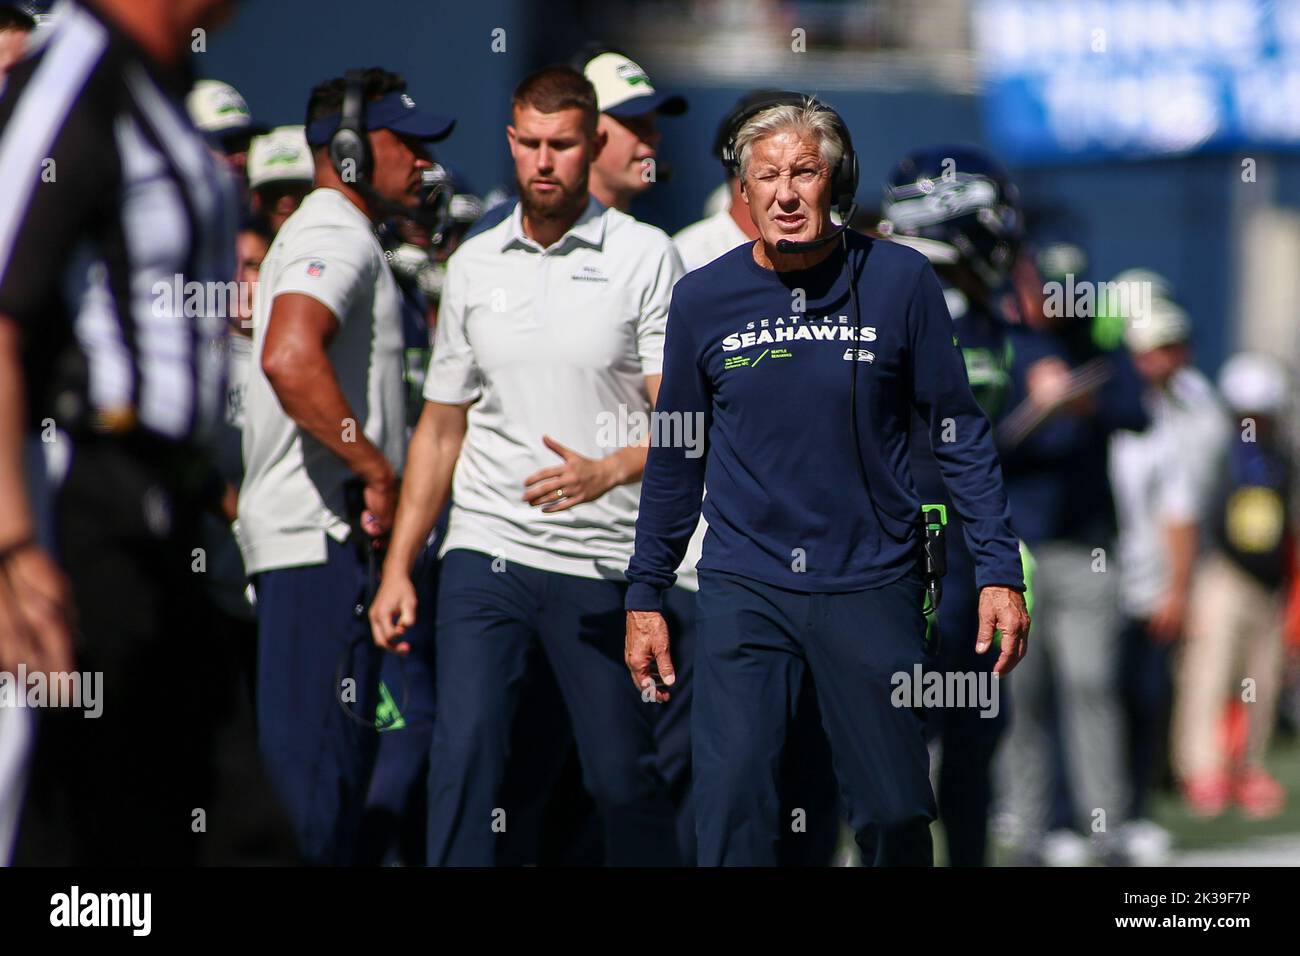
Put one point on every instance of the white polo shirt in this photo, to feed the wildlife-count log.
(702, 242)
(1164, 475)
(699, 244)
(292, 495)
(549, 342)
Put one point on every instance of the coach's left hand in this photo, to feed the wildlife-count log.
(1003, 609)
(579, 479)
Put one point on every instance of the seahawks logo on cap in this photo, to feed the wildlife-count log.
(632, 74)
(408, 102)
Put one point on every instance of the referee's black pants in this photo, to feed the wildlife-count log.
(136, 785)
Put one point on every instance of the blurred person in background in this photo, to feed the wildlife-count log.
(630, 108)
(721, 231)
(138, 203)
(219, 112)
(1232, 656)
(280, 173)
(258, 826)
(16, 25)
(324, 444)
(1072, 386)
(418, 255)
(958, 206)
(1162, 480)
(226, 581)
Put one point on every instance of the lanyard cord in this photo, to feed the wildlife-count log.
(854, 433)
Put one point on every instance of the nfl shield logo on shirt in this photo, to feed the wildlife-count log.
(315, 268)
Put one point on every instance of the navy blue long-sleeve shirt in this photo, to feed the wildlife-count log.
(763, 361)
(1057, 478)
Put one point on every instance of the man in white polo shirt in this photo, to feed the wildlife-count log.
(323, 446)
(702, 242)
(551, 323)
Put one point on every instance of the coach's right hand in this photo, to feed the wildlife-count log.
(645, 651)
(392, 612)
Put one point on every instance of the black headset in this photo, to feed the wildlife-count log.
(844, 179)
(349, 141)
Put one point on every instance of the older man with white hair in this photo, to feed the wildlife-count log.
(804, 353)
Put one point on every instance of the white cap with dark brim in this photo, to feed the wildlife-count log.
(218, 110)
(623, 89)
(280, 156)
(1165, 324)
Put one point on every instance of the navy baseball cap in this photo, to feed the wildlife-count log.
(395, 111)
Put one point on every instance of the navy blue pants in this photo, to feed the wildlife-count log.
(808, 782)
(754, 644)
(969, 740)
(317, 685)
(560, 824)
(487, 621)
(396, 808)
(672, 720)
(1147, 694)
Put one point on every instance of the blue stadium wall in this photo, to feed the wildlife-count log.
(1171, 215)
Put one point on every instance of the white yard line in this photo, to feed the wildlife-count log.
(1265, 851)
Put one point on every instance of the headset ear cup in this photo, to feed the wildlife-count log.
(729, 156)
(847, 186)
(345, 150)
(349, 147)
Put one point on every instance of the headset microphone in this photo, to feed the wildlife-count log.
(791, 246)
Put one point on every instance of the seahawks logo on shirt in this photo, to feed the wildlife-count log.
(791, 329)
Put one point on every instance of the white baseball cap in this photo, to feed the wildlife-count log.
(1254, 382)
(1165, 324)
(217, 109)
(624, 89)
(281, 155)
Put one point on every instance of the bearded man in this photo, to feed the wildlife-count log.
(550, 328)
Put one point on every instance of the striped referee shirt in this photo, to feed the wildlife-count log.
(110, 202)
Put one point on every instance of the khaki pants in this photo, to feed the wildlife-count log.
(1234, 632)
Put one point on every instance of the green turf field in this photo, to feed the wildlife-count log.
(1191, 833)
(1275, 841)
